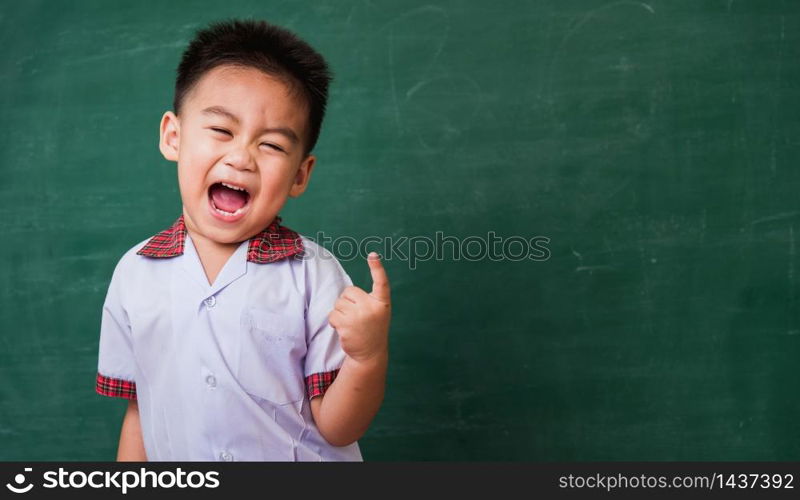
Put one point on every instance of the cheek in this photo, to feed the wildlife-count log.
(274, 190)
(196, 151)
(193, 166)
(276, 180)
(190, 180)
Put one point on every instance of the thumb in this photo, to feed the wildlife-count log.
(380, 282)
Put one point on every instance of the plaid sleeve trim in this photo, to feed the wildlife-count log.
(318, 383)
(115, 387)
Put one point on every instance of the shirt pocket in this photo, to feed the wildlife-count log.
(271, 355)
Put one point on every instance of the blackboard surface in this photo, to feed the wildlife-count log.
(655, 144)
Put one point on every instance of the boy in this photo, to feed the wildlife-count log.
(233, 337)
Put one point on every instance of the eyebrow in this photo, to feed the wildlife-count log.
(286, 131)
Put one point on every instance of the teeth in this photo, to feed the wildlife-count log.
(229, 214)
(233, 187)
(223, 212)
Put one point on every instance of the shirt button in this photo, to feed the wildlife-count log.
(211, 301)
(211, 381)
(226, 456)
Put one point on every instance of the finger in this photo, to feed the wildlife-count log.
(353, 294)
(335, 318)
(380, 282)
(343, 305)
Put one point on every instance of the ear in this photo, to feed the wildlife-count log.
(302, 177)
(170, 133)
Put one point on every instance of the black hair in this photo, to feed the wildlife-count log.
(263, 46)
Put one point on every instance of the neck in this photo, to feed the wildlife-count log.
(213, 254)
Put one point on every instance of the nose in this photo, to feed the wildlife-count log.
(239, 157)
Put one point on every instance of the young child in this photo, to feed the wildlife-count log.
(233, 337)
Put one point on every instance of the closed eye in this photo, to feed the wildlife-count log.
(220, 130)
(273, 146)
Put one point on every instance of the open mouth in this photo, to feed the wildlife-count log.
(228, 200)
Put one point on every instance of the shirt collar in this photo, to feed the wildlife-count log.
(274, 243)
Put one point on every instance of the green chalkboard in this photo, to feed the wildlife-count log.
(655, 145)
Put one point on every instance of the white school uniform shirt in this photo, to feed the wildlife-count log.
(224, 371)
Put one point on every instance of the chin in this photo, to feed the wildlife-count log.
(228, 237)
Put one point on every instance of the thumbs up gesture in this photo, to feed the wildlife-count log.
(362, 319)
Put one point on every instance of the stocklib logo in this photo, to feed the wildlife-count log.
(19, 479)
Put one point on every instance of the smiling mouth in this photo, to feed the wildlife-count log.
(228, 200)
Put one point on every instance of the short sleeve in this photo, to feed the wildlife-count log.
(115, 363)
(324, 357)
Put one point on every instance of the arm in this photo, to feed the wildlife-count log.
(345, 411)
(131, 445)
(361, 319)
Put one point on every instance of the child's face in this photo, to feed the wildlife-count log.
(245, 128)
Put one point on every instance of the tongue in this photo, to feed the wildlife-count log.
(227, 199)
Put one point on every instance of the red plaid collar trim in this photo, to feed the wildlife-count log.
(274, 243)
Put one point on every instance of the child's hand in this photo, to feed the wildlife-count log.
(361, 318)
